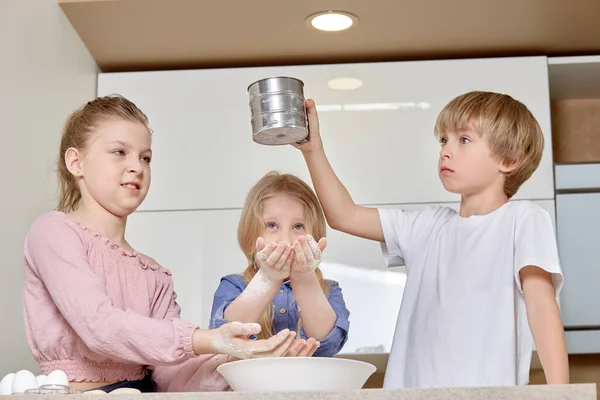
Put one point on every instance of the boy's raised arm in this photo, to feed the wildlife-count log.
(340, 210)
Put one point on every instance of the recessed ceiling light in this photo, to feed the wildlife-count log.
(345, 83)
(331, 21)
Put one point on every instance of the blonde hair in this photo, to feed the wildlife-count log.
(513, 133)
(251, 226)
(78, 130)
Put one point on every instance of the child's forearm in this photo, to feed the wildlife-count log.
(334, 197)
(549, 336)
(341, 212)
(546, 326)
(254, 300)
(317, 315)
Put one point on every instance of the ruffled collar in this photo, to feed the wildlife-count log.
(145, 262)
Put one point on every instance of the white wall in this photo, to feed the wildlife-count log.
(45, 73)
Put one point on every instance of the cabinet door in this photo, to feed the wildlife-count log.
(578, 225)
(379, 137)
(200, 246)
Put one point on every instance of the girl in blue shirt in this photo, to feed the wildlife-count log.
(282, 233)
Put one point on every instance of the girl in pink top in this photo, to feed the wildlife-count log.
(93, 306)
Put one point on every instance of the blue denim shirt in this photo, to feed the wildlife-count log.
(285, 312)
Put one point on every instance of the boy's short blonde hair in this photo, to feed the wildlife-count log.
(511, 130)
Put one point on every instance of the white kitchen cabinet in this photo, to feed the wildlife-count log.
(578, 213)
(578, 226)
(379, 138)
(200, 247)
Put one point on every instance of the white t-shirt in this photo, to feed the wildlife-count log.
(462, 320)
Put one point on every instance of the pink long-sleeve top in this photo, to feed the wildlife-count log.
(103, 313)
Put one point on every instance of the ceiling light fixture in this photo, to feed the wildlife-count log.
(345, 83)
(331, 21)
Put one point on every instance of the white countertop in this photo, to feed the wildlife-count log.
(533, 392)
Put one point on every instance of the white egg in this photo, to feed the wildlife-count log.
(97, 391)
(57, 377)
(23, 381)
(125, 391)
(41, 379)
(6, 384)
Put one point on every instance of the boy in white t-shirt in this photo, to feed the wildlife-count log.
(479, 281)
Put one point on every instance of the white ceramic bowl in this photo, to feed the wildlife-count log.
(296, 374)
